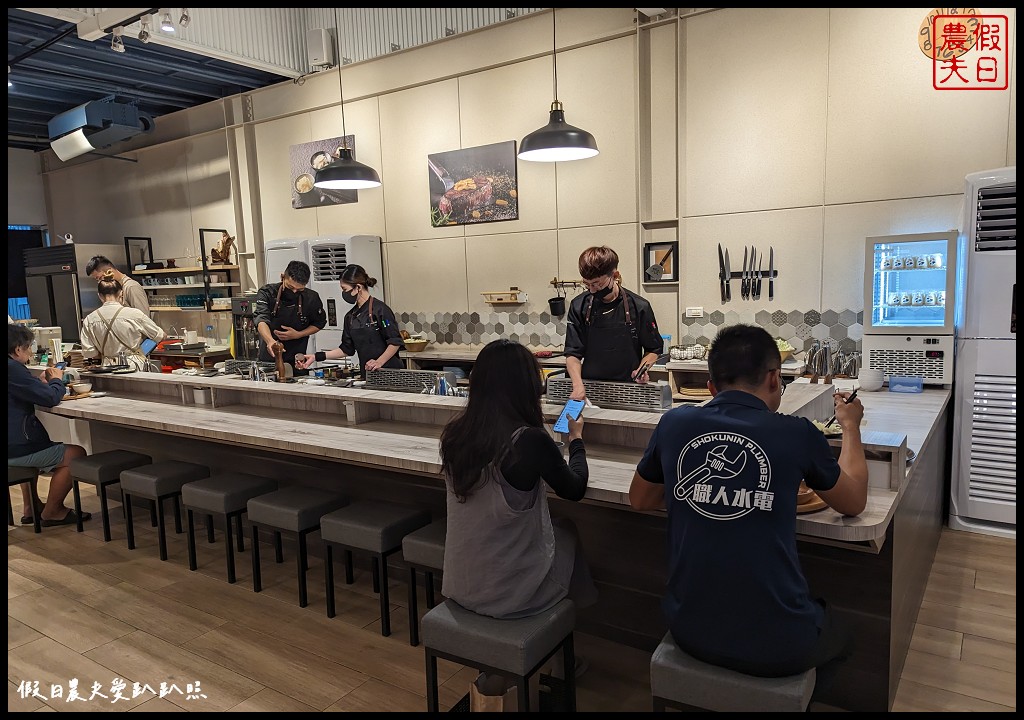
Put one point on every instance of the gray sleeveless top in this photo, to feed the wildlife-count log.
(500, 554)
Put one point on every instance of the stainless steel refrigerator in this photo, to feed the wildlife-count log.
(984, 473)
(60, 294)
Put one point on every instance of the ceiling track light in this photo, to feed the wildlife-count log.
(166, 24)
(345, 173)
(144, 35)
(185, 19)
(116, 41)
(558, 140)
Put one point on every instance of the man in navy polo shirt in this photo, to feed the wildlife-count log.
(728, 474)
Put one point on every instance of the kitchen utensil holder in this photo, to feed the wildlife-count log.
(406, 380)
(617, 395)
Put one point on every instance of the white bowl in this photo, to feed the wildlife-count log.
(80, 388)
(870, 384)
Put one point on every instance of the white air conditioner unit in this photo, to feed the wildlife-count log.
(328, 258)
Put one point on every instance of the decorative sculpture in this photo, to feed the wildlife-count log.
(221, 255)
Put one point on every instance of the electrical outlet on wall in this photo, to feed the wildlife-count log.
(694, 312)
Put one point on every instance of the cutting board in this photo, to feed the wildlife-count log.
(78, 397)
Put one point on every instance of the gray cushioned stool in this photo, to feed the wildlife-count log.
(423, 550)
(19, 476)
(373, 527)
(293, 510)
(101, 470)
(158, 481)
(222, 495)
(514, 648)
(681, 681)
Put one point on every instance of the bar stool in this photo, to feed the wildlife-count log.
(223, 495)
(423, 550)
(681, 681)
(157, 482)
(101, 470)
(293, 510)
(373, 527)
(516, 649)
(20, 476)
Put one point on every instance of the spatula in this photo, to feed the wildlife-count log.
(657, 270)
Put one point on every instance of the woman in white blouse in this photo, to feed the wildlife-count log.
(113, 328)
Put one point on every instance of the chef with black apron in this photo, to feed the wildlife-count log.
(288, 312)
(370, 329)
(612, 332)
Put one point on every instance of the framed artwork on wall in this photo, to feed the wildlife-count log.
(474, 185)
(138, 251)
(661, 262)
(305, 159)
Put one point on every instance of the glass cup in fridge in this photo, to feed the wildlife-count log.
(897, 263)
(886, 262)
(940, 298)
(929, 298)
(935, 260)
(893, 299)
(921, 262)
(906, 299)
(917, 298)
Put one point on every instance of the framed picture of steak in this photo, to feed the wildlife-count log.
(304, 160)
(474, 185)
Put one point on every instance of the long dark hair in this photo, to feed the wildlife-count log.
(504, 395)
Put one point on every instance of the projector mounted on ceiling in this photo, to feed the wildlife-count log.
(95, 125)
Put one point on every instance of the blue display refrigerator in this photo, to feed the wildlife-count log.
(910, 296)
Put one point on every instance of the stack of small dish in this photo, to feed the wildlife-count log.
(870, 379)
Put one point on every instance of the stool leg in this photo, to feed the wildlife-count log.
(257, 585)
(129, 527)
(210, 537)
(523, 691)
(385, 607)
(161, 529)
(431, 680)
(348, 568)
(177, 513)
(329, 578)
(104, 512)
(10, 509)
(301, 561)
(192, 564)
(376, 576)
(152, 513)
(569, 670)
(414, 618)
(430, 589)
(229, 547)
(37, 513)
(241, 535)
(78, 504)
(278, 550)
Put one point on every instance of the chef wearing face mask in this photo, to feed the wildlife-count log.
(288, 312)
(611, 332)
(370, 329)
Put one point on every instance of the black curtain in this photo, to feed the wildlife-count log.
(17, 242)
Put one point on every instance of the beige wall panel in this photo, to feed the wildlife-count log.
(176, 126)
(26, 204)
(288, 97)
(366, 216)
(663, 163)
(427, 275)
(890, 133)
(665, 303)
(602, 100)
(209, 186)
(280, 219)
(413, 124)
(494, 46)
(796, 236)
(623, 239)
(506, 104)
(524, 260)
(165, 214)
(848, 226)
(755, 109)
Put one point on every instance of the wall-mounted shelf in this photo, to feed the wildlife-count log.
(512, 296)
(190, 285)
(197, 268)
(175, 308)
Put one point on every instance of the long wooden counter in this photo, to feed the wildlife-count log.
(381, 444)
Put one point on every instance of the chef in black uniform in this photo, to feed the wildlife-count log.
(288, 312)
(611, 331)
(370, 328)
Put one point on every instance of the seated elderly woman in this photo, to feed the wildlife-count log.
(28, 443)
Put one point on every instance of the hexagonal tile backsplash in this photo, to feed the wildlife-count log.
(798, 327)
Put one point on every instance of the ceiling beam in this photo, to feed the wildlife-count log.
(99, 25)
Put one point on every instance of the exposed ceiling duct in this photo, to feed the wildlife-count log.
(96, 125)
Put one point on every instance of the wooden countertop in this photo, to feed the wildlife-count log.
(413, 447)
(465, 353)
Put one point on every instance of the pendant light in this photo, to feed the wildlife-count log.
(558, 140)
(345, 173)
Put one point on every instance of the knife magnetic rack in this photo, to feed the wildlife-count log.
(750, 279)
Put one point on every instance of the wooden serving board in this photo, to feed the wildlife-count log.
(816, 504)
(78, 397)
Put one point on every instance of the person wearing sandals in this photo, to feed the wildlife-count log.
(28, 443)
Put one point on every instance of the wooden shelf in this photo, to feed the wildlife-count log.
(200, 308)
(210, 268)
(191, 285)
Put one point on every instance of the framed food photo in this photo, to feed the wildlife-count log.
(473, 185)
(305, 159)
(661, 262)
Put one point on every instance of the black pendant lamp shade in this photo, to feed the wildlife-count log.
(558, 140)
(346, 174)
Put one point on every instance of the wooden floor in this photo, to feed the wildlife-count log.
(79, 608)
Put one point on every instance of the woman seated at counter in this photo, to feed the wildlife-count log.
(370, 329)
(504, 557)
(113, 328)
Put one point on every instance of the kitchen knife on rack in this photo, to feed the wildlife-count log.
(757, 277)
(771, 272)
(743, 276)
(721, 272)
(728, 278)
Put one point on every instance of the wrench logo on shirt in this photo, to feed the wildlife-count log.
(724, 476)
